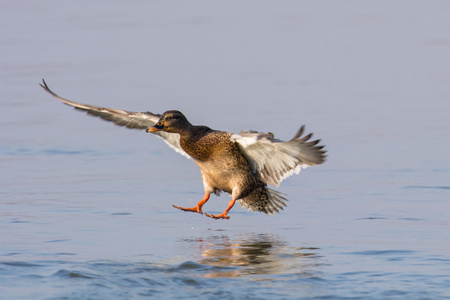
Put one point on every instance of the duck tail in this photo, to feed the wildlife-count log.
(265, 200)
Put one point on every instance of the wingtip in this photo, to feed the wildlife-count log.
(47, 89)
(45, 84)
(299, 133)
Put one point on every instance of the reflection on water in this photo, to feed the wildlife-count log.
(260, 254)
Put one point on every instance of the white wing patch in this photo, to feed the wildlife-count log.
(274, 160)
(173, 141)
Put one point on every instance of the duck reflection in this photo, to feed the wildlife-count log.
(254, 254)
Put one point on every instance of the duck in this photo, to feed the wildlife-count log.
(242, 165)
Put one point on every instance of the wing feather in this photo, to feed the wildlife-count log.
(274, 160)
(129, 119)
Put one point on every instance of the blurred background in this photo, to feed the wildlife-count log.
(369, 78)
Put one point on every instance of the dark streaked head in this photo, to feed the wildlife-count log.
(171, 121)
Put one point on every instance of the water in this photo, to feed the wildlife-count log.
(85, 207)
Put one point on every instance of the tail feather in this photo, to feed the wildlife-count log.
(264, 200)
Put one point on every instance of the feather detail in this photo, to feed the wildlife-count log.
(264, 200)
(274, 160)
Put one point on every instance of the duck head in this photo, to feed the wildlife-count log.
(171, 121)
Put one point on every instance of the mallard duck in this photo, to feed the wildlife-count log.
(241, 165)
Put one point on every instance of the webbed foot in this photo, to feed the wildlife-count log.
(196, 209)
(217, 217)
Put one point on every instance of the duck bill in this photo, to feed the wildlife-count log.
(157, 127)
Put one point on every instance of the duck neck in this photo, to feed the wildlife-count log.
(186, 132)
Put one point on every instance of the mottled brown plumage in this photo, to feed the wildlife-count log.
(222, 164)
(241, 165)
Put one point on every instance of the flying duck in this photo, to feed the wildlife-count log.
(241, 165)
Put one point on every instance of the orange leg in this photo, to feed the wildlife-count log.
(224, 214)
(198, 207)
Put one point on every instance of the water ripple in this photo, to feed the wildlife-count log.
(73, 274)
(427, 187)
(46, 152)
(383, 252)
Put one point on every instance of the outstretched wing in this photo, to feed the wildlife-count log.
(274, 160)
(129, 119)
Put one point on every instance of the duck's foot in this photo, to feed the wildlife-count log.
(196, 209)
(224, 214)
(217, 217)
